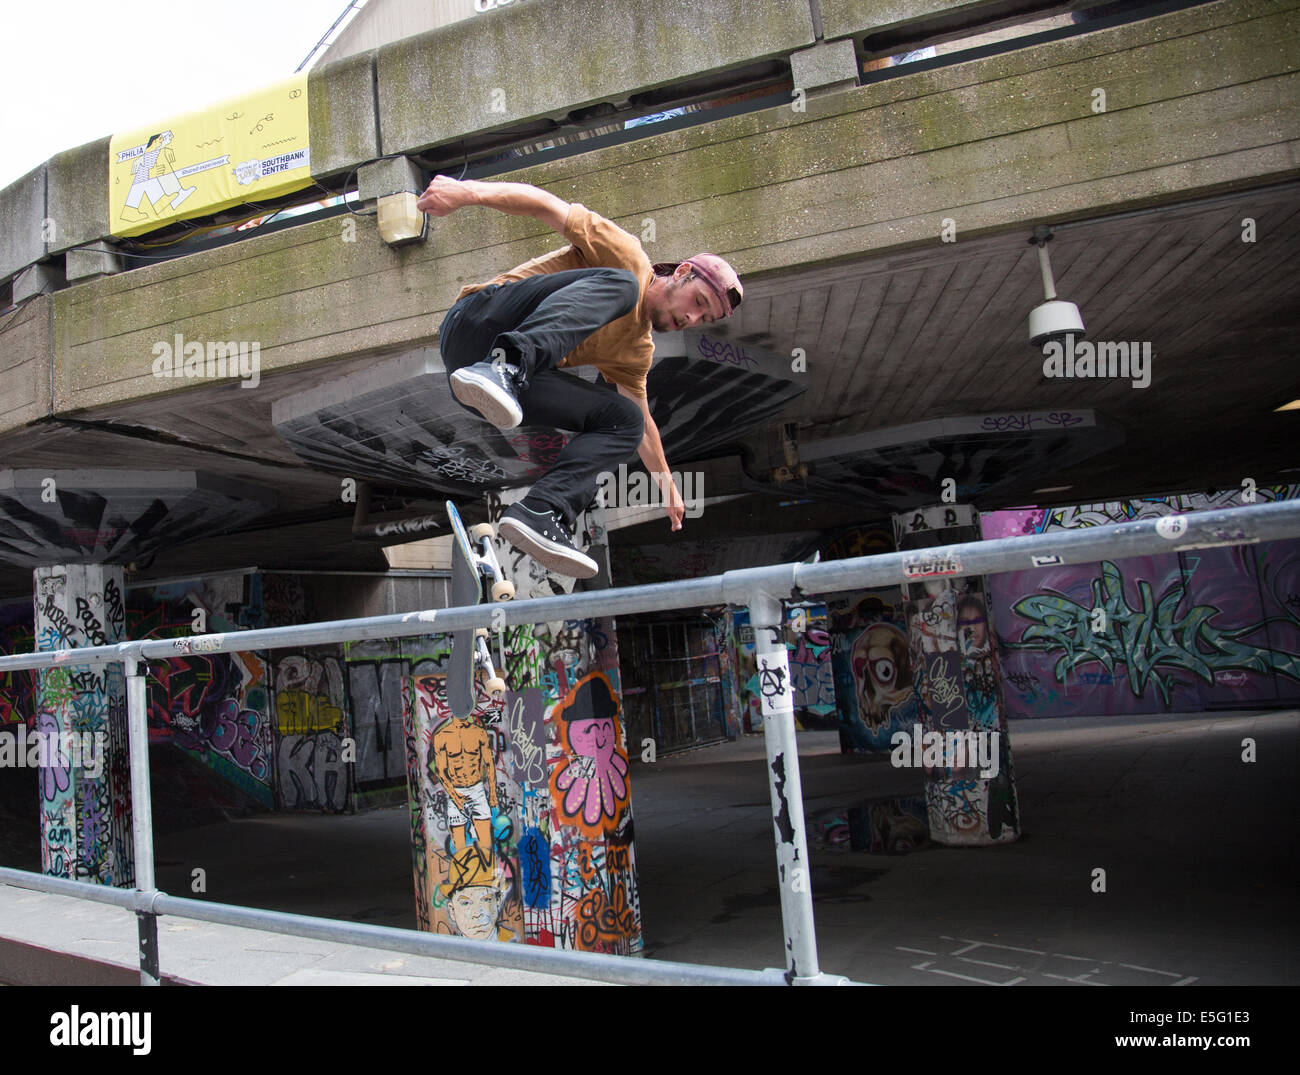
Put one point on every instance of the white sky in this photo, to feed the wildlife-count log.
(72, 71)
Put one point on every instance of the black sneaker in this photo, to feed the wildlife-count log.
(546, 539)
(489, 388)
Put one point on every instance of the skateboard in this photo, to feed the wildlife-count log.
(473, 562)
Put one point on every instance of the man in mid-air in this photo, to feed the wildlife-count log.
(592, 303)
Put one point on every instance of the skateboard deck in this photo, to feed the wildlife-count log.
(473, 561)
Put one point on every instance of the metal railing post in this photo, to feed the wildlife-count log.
(137, 710)
(772, 665)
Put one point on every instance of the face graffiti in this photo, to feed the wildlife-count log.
(473, 911)
(882, 666)
(594, 738)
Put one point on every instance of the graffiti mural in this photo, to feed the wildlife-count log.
(590, 782)
(216, 707)
(84, 782)
(812, 678)
(469, 811)
(872, 667)
(18, 690)
(1171, 633)
(1018, 522)
(311, 722)
(812, 674)
(521, 820)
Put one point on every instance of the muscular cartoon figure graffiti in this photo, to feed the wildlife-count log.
(463, 763)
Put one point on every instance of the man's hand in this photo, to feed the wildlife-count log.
(673, 503)
(651, 453)
(444, 195)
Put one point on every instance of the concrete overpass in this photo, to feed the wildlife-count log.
(831, 189)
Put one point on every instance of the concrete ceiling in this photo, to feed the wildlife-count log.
(911, 337)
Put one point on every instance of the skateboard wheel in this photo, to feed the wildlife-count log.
(503, 590)
(480, 632)
(496, 685)
(482, 530)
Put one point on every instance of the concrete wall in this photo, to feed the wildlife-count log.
(382, 21)
(25, 364)
(489, 73)
(1198, 102)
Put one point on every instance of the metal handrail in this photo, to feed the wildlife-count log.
(762, 589)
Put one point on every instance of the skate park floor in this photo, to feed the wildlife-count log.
(1198, 848)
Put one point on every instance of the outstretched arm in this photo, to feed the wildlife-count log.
(445, 195)
(651, 452)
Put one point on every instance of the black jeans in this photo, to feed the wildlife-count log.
(536, 322)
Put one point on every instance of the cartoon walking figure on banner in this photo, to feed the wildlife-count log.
(154, 177)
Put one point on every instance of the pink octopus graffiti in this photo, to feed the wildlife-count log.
(594, 780)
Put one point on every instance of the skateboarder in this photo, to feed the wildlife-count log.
(592, 303)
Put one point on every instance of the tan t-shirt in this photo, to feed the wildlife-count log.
(621, 350)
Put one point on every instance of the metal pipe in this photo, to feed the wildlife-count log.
(137, 709)
(61, 886)
(593, 965)
(1172, 533)
(772, 665)
(1045, 268)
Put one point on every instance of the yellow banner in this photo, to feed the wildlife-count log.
(249, 149)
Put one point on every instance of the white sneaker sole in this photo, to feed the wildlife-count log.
(479, 393)
(562, 561)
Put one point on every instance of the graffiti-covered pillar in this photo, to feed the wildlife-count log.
(521, 815)
(80, 731)
(961, 738)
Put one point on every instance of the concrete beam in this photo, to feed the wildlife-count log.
(37, 280)
(1198, 102)
(844, 18)
(25, 365)
(490, 72)
(387, 177)
(341, 123)
(825, 67)
(77, 201)
(91, 261)
(22, 208)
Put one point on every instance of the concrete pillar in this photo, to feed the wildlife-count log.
(546, 857)
(953, 649)
(85, 785)
(39, 279)
(824, 68)
(91, 261)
